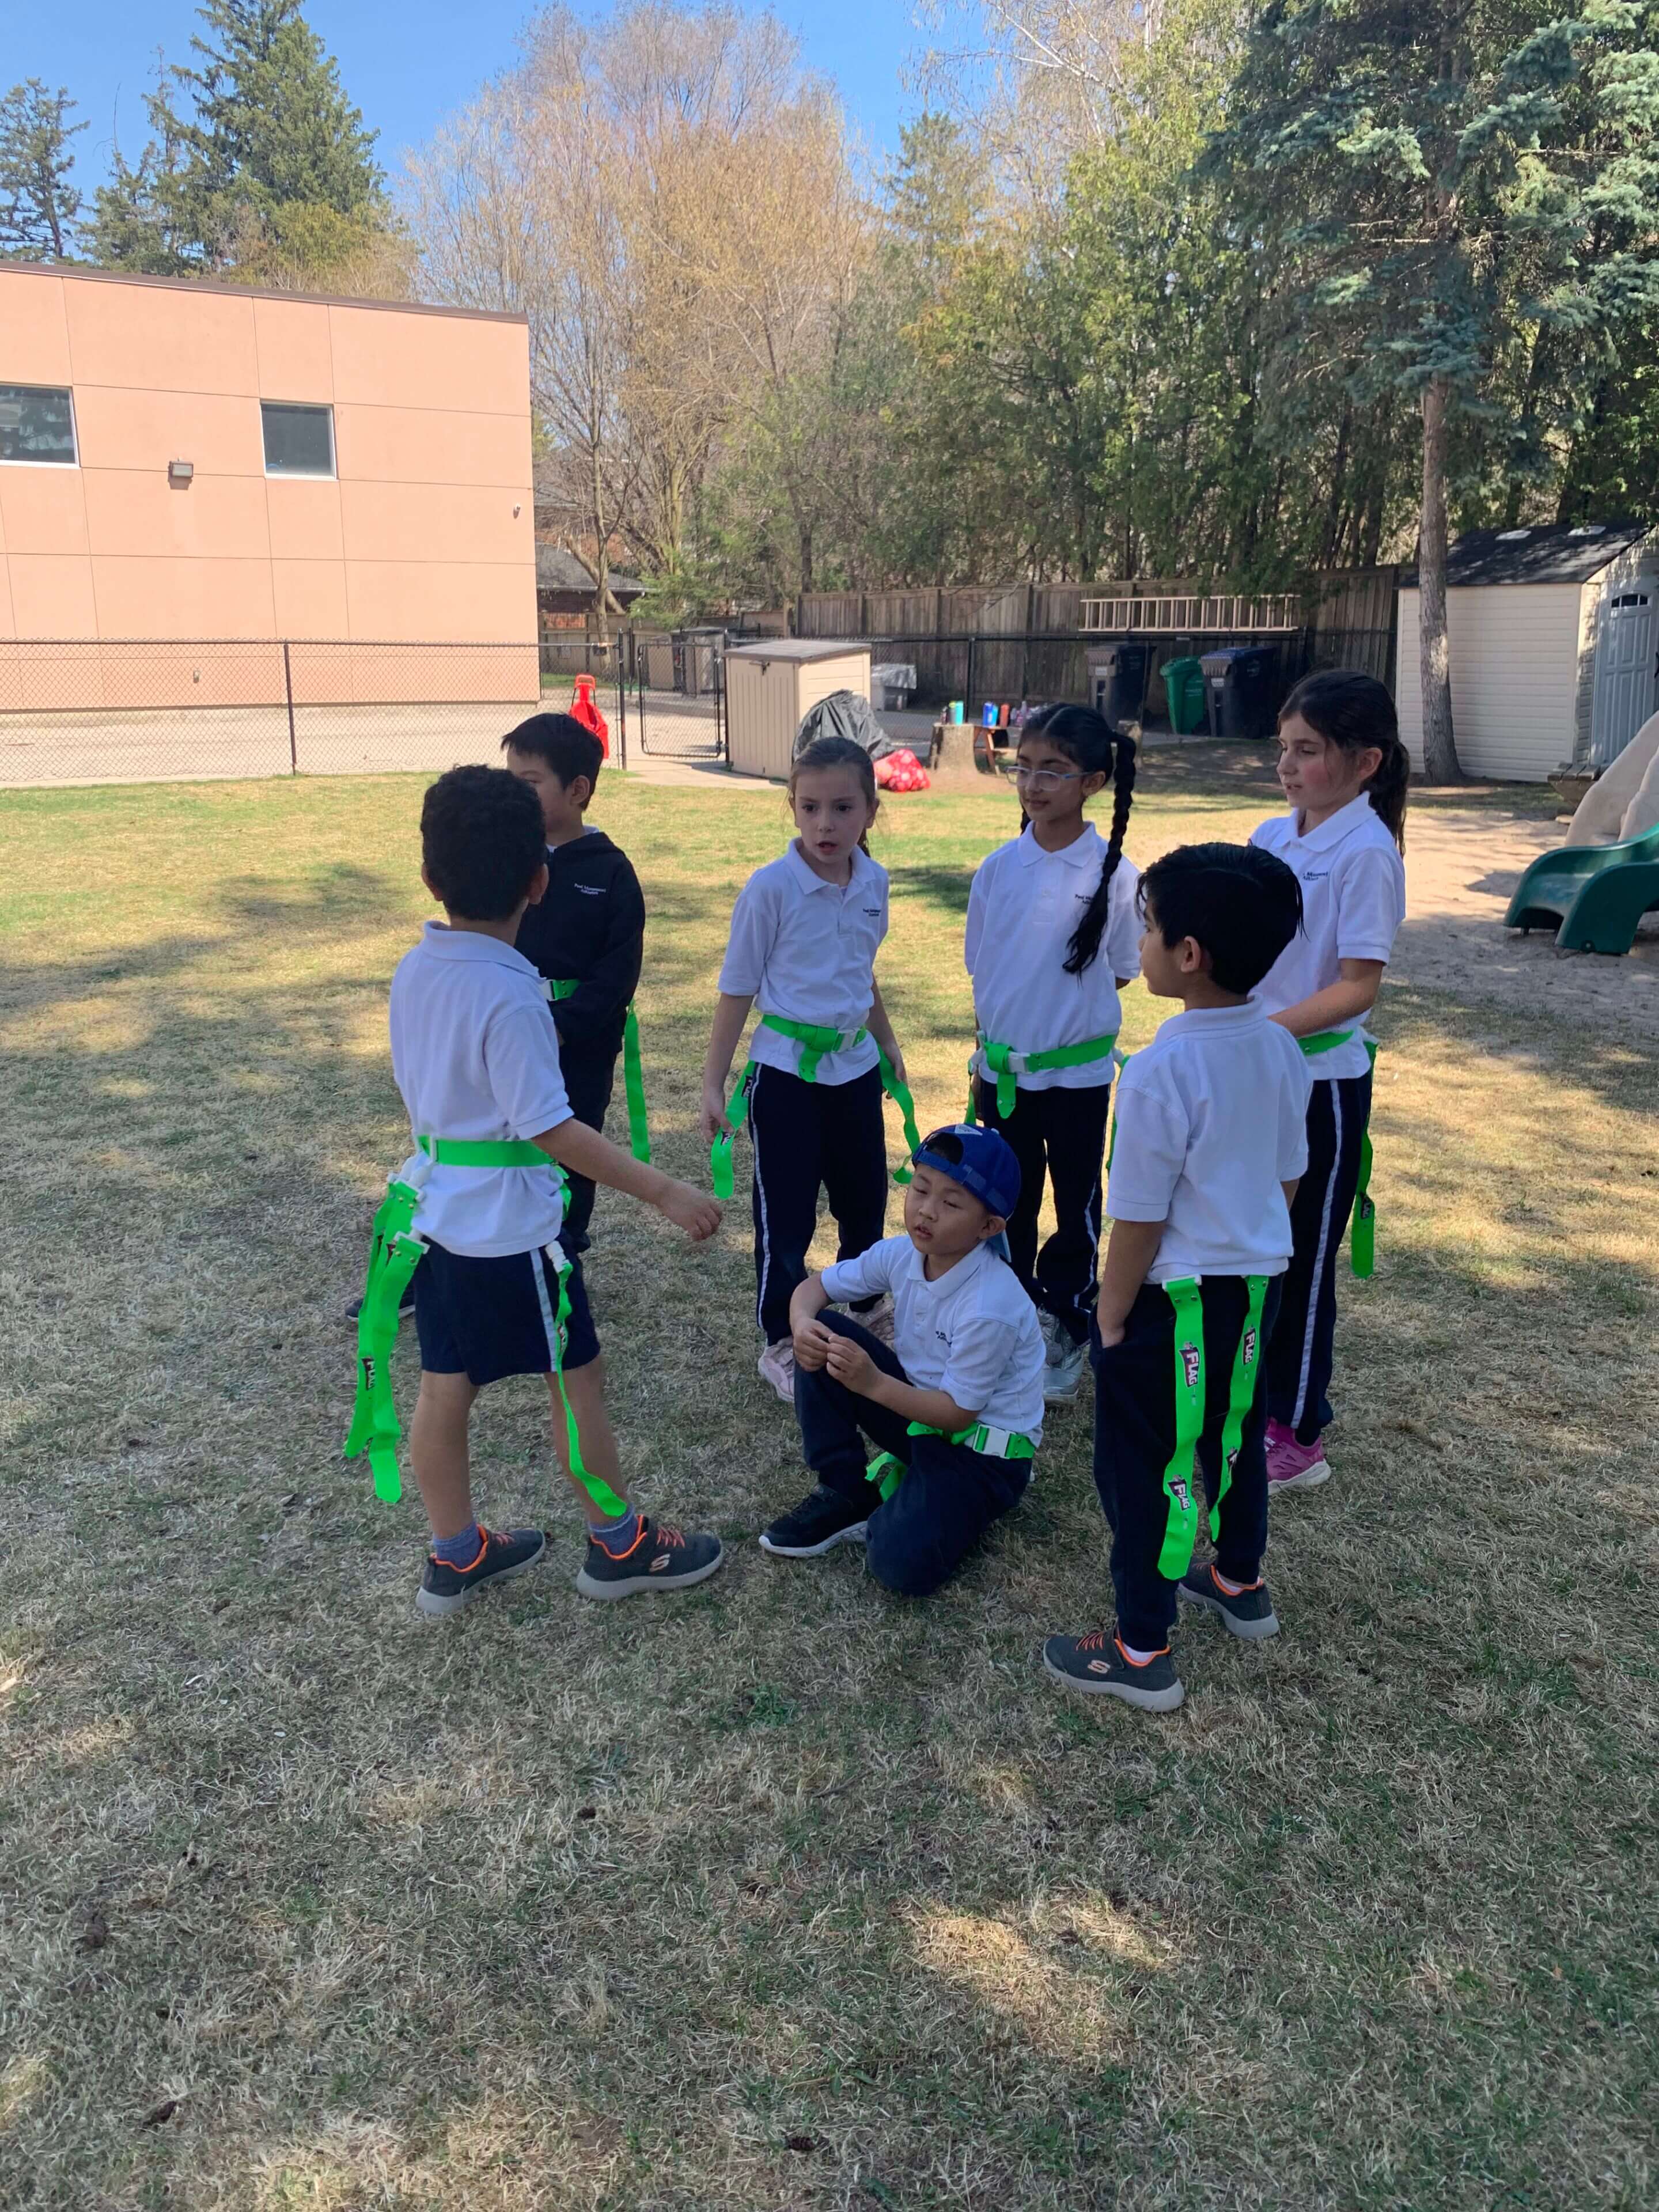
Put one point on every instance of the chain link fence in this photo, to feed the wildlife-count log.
(77, 711)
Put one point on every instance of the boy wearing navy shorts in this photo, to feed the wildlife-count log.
(496, 1291)
(1211, 1139)
(585, 934)
(954, 1406)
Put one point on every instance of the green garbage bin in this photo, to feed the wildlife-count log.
(1183, 685)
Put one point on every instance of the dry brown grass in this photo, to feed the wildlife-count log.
(787, 1894)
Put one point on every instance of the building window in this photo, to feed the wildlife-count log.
(299, 440)
(37, 423)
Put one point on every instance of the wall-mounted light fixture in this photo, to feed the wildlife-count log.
(179, 474)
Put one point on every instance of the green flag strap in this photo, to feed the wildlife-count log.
(719, 1152)
(970, 1119)
(639, 1131)
(996, 1443)
(900, 1094)
(1005, 1063)
(1242, 1395)
(487, 1152)
(596, 1486)
(1362, 1246)
(814, 1041)
(1180, 1476)
(886, 1473)
(639, 1128)
(394, 1253)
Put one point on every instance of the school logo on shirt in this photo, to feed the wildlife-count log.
(874, 913)
(592, 890)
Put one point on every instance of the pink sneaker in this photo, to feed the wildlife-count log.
(1292, 1466)
(777, 1365)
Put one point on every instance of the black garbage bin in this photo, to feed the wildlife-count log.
(1118, 676)
(1241, 690)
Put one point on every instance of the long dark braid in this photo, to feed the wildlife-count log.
(1086, 738)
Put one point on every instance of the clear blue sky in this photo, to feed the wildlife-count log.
(405, 63)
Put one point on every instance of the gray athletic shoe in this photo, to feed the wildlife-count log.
(1062, 1369)
(1097, 1665)
(660, 1559)
(1249, 1614)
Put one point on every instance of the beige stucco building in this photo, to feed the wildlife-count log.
(191, 461)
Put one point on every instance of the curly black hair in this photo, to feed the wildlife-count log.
(481, 841)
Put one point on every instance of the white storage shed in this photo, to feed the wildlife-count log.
(1554, 637)
(771, 685)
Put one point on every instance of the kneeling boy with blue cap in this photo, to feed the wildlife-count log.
(955, 1409)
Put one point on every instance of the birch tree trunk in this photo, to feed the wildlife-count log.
(1440, 763)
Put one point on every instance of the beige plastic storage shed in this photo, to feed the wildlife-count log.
(1554, 634)
(771, 685)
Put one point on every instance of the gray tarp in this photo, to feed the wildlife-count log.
(845, 714)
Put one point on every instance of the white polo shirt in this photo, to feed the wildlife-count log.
(1022, 910)
(1212, 1118)
(974, 1333)
(805, 949)
(1353, 900)
(475, 1055)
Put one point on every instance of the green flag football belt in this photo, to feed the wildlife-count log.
(1362, 1244)
(887, 1471)
(394, 1253)
(1181, 1476)
(639, 1132)
(815, 1041)
(1007, 1064)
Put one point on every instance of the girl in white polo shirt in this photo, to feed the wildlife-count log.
(1052, 938)
(1344, 771)
(804, 933)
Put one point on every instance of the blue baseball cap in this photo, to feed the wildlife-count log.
(987, 1168)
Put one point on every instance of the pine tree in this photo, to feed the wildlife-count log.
(1450, 177)
(38, 204)
(256, 127)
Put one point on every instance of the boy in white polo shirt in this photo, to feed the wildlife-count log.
(1210, 1141)
(477, 1213)
(954, 1405)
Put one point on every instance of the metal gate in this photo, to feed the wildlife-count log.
(675, 723)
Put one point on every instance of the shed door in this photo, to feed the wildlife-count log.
(1626, 669)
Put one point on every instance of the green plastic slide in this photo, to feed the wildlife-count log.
(1596, 894)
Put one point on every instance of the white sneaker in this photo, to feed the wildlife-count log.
(879, 1320)
(777, 1365)
(1061, 1369)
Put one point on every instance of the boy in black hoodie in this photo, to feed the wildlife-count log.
(588, 929)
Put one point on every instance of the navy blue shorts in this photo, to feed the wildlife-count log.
(487, 1318)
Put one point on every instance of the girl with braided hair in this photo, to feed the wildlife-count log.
(1052, 938)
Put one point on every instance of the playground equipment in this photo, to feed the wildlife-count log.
(1597, 893)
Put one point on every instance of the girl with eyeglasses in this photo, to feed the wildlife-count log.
(1052, 938)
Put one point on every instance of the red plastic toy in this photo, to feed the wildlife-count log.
(584, 710)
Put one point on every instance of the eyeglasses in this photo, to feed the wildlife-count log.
(1039, 779)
